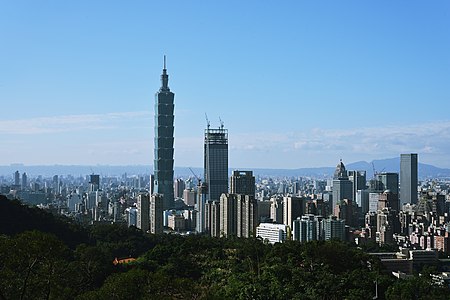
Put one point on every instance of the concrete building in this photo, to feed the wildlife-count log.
(408, 178)
(212, 218)
(334, 228)
(293, 207)
(276, 209)
(176, 222)
(189, 196)
(164, 138)
(242, 182)
(156, 213)
(202, 194)
(273, 233)
(178, 187)
(143, 212)
(307, 228)
(131, 213)
(247, 215)
(228, 215)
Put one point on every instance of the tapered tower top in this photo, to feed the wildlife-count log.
(164, 78)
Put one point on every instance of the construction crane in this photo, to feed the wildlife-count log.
(195, 175)
(207, 122)
(374, 171)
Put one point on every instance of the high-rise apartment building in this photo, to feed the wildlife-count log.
(164, 130)
(242, 182)
(408, 178)
(216, 161)
(178, 187)
(156, 213)
(246, 216)
(143, 212)
(228, 214)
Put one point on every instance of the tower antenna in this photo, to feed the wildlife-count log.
(221, 123)
(164, 61)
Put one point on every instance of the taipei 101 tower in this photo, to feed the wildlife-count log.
(164, 130)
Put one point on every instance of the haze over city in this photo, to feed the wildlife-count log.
(297, 84)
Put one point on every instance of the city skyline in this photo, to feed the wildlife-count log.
(297, 84)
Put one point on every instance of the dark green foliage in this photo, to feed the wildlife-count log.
(16, 217)
(37, 265)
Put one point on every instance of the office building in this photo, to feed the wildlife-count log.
(216, 162)
(334, 228)
(242, 182)
(164, 131)
(143, 212)
(293, 207)
(24, 181)
(389, 181)
(358, 179)
(408, 178)
(362, 200)
(342, 186)
(273, 233)
(156, 213)
(94, 182)
(17, 178)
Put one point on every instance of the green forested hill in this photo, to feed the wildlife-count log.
(42, 264)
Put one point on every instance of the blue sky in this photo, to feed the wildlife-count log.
(297, 83)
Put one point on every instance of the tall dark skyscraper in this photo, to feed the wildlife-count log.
(164, 129)
(242, 182)
(216, 162)
(408, 178)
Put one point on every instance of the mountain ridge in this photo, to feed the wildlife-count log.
(380, 165)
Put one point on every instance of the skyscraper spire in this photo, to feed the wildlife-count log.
(164, 78)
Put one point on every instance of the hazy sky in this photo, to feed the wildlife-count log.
(297, 83)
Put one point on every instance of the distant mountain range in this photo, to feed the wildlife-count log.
(383, 165)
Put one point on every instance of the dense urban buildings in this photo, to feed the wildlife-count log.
(164, 130)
